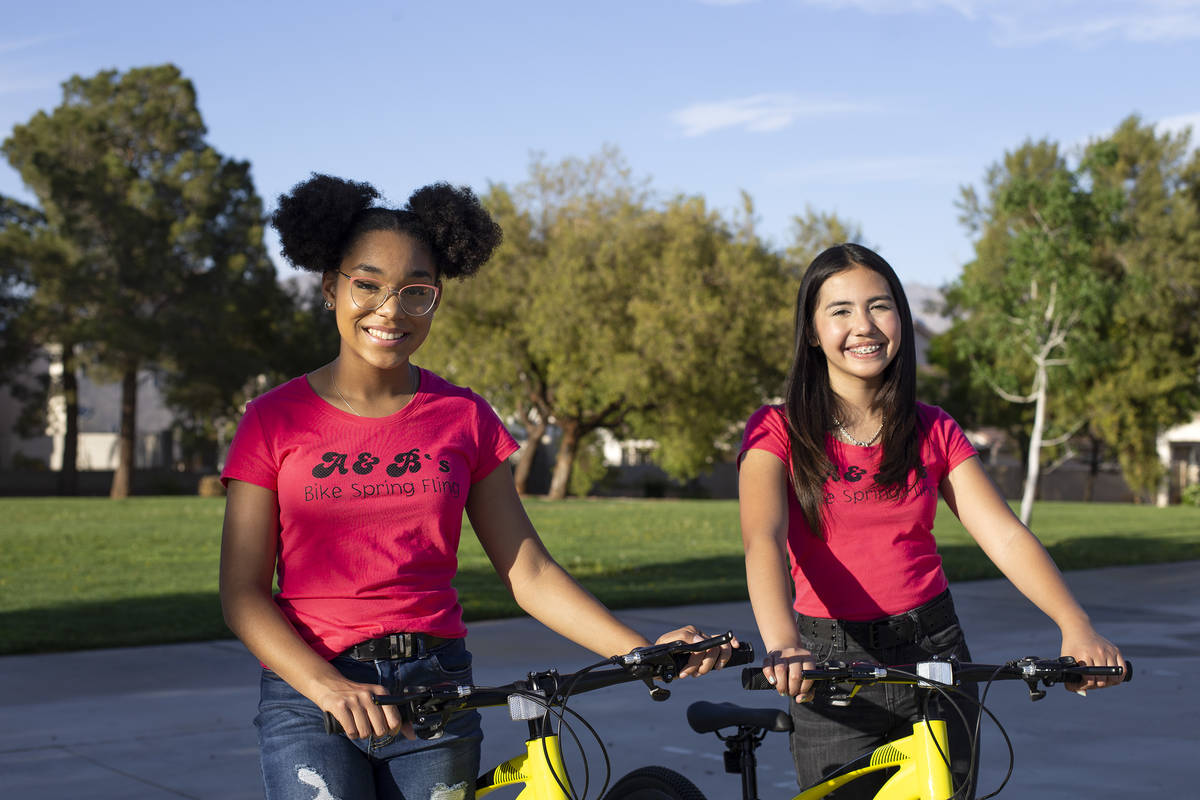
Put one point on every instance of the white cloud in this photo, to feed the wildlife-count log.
(760, 113)
(32, 41)
(1018, 23)
(1175, 125)
(965, 7)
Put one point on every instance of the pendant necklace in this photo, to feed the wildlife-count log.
(842, 430)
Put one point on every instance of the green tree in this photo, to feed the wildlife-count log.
(605, 309)
(165, 236)
(1038, 295)
(39, 266)
(1151, 382)
(815, 231)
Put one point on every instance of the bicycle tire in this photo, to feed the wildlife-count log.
(654, 783)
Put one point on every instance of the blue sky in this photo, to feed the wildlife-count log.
(878, 110)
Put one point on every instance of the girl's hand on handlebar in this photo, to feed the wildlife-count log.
(784, 669)
(1091, 649)
(699, 663)
(352, 706)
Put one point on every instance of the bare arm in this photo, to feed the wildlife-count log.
(1014, 549)
(763, 508)
(543, 588)
(248, 552)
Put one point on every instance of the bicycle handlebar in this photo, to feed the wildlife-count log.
(1032, 670)
(428, 708)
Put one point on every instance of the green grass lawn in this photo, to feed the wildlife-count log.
(92, 572)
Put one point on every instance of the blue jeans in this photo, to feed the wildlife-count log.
(825, 735)
(302, 762)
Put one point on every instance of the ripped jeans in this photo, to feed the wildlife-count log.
(302, 762)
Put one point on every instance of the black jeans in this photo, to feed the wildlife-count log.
(826, 736)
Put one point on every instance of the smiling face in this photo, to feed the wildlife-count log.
(857, 326)
(383, 338)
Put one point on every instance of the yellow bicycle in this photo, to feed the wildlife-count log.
(540, 700)
(920, 760)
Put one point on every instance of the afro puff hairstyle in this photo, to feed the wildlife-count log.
(322, 218)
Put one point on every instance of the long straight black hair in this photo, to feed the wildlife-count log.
(811, 403)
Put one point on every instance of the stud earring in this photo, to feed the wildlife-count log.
(328, 304)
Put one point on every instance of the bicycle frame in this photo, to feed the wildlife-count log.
(920, 756)
(920, 759)
(541, 768)
(536, 768)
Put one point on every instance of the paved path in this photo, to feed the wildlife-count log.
(174, 721)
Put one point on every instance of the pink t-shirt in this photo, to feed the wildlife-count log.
(878, 556)
(370, 509)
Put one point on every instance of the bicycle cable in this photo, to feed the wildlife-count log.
(972, 736)
(1012, 756)
(565, 693)
(944, 689)
(544, 730)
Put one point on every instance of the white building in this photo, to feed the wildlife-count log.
(99, 425)
(1179, 449)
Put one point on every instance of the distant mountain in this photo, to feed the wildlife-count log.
(925, 302)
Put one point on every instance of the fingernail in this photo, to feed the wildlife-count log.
(1081, 692)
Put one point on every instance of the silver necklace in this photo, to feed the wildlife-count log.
(355, 413)
(347, 402)
(845, 433)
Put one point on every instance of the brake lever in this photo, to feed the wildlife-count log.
(657, 693)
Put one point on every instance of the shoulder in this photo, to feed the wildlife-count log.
(291, 392)
(766, 430)
(438, 389)
(933, 417)
(442, 395)
(768, 416)
(941, 433)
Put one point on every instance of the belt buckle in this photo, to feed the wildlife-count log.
(400, 645)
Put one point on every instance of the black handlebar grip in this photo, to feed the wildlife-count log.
(742, 654)
(331, 724)
(1078, 673)
(753, 678)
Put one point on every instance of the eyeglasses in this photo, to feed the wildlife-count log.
(416, 299)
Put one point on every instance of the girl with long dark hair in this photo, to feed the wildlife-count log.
(838, 489)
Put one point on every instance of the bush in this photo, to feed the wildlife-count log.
(211, 486)
(1191, 495)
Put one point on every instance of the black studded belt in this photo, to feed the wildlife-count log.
(396, 645)
(876, 634)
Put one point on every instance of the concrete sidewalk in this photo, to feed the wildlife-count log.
(175, 721)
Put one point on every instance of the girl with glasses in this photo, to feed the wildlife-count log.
(838, 487)
(348, 485)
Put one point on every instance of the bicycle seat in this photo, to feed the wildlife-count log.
(706, 717)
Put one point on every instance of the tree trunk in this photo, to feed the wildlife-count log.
(1089, 487)
(68, 474)
(1034, 461)
(568, 445)
(123, 477)
(534, 434)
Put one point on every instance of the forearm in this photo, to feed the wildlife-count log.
(555, 599)
(1027, 565)
(257, 621)
(1010, 545)
(770, 588)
